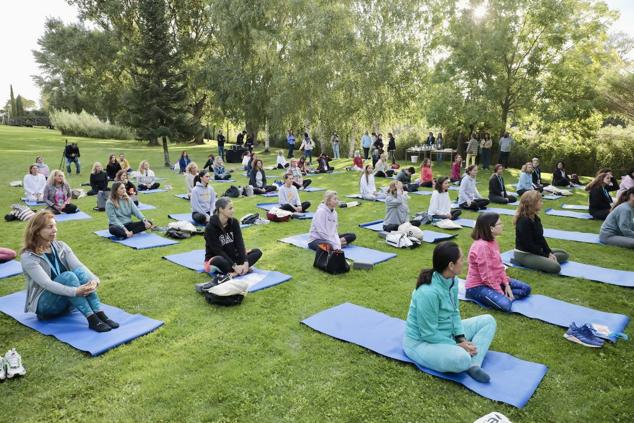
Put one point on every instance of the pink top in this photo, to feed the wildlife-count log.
(485, 266)
(358, 162)
(455, 170)
(426, 174)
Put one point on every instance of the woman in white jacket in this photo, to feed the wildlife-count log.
(440, 204)
(190, 173)
(34, 183)
(367, 186)
(145, 178)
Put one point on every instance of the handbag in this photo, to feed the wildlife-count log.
(330, 261)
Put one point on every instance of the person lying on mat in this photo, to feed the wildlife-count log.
(396, 207)
(98, 179)
(41, 166)
(367, 186)
(435, 335)
(525, 182)
(220, 173)
(203, 198)
(120, 209)
(57, 194)
(599, 199)
(469, 197)
(56, 280)
(224, 245)
(455, 169)
(440, 203)
(298, 177)
(405, 177)
(323, 227)
(6, 254)
(112, 167)
(145, 178)
(257, 179)
(618, 228)
(190, 173)
(497, 189)
(426, 178)
(288, 197)
(130, 189)
(531, 248)
(381, 170)
(34, 183)
(487, 282)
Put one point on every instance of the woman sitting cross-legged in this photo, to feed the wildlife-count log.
(130, 189)
(600, 201)
(497, 190)
(618, 228)
(57, 194)
(382, 169)
(367, 186)
(440, 203)
(426, 178)
(525, 183)
(203, 199)
(469, 197)
(56, 281)
(220, 173)
(456, 169)
(323, 227)
(531, 248)
(298, 177)
(288, 197)
(98, 179)
(561, 179)
(436, 337)
(112, 167)
(120, 209)
(357, 162)
(145, 178)
(257, 179)
(190, 173)
(34, 184)
(224, 245)
(487, 282)
(396, 207)
(281, 161)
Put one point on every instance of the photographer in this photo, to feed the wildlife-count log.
(71, 153)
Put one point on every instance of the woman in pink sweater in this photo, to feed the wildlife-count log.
(487, 282)
(455, 169)
(426, 175)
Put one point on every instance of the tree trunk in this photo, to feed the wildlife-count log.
(197, 114)
(267, 138)
(505, 115)
(166, 153)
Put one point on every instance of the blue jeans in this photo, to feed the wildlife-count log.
(335, 150)
(73, 160)
(291, 147)
(491, 298)
(309, 155)
(450, 357)
(221, 151)
(52, 305)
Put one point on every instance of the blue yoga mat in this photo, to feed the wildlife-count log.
(566, 213)
(428, 236)
(10, 268)
(353, 252)
(467, 223)
(270, 194)
(508, 212)
(358, 197)
(574, 207)
(142, 207)
(140, 241)
(574, 269)
(561, 313)
(152, 191)
(269, 206)
(72, 328)
(182, 196)
(225, 181)
(513, 381)
(587, 237)
(314, 189)
(65, 217)
(187, 217)
(32, 203)
(551, 197)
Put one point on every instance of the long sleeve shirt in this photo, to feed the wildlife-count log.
(485, 266)
(525, 182)
(506, 143)
(599, 199)
(367, 185)
(380, 166)
(34, 184)
(203, 199)
(455, 170)
(426, 174)
(119, 216)
(56, 195)
(366, 141)
(468, 190)
(112, 169)
(440, 204)
(472, 146)
(288, 195)
(189, 182)
(496, 186)
(147, 178)
(396, 209)
(324, 226)
(226, 242)
(434, 312)
(529, 236)
(99, 181)
(620, 221)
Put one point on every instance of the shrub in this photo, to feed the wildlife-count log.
(87, 125)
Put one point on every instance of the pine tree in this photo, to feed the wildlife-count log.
(14, 111)
(19, 106)
(156, 101)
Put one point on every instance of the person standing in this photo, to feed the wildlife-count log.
(240, 138)
(366, 143)
(391, 147)
(290, 141)
(439, 147)
(431, 140)
(486, 147)
(307, 145)
(472, 150)
(250, 142)
(506, 144)
(71, 152)
(377, 149)
(335, 145)
(220, 139)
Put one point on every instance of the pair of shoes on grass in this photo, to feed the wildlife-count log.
(11, 365)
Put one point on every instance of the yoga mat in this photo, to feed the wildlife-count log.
(513, 381)
(566, 213)
(314, 189)
(574, 269)
(10, 268)
(152, 191)
(32, 203)
(358, 196)
(182, 196)
(270, 194)
(225, 181)
(590, 238)
(560, 313)
(574, 207)
(142, 207)
(72, 328)
(467, 223)
(428, 236)
(187, 217)
(65, 217)
(422, 192)
(140, 241)
(508, 212)
(300, 216)
(551, 197)
(353, 252)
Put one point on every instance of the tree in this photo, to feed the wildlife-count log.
(157, 99)
(618, 94)
(14, 111)
(19, 106)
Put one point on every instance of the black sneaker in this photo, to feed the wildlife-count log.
(217, 280)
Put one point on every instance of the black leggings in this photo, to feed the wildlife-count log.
(134, 227)
(264, 190)
(200, 218)
(386, 174)
(477, 204)
(288, 207)
(68, 208)
(279, 166)
(349, 237)
(95, 191)
(142, 187)
(600, 214)
(498, 199)
(304, 184)
(226, 267)
(427, 184)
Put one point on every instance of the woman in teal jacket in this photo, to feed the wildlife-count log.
(435, 335)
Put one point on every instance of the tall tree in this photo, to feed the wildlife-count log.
(14, 109)
(19, 106)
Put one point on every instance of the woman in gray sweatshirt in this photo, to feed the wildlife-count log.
(56, 280)
(618, 227)
(397, 210)
(203, 199)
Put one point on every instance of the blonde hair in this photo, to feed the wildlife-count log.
(141, 170)
(329, 194)
(528, 205)
(189, 167)
(32, 239)
(525, 166)
(94, 166)
(393, 188)
(53, 175)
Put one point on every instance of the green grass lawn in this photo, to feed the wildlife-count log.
(257, 362)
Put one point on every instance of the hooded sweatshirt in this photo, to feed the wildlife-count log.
(226, 242)
(397, 211)
(324, 226)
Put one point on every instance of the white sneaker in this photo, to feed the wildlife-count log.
(13, 364)
(3, 370)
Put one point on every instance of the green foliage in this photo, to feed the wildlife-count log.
(14, 110)
(86, 125)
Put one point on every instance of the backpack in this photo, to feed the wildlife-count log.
(77, 193)
(177, 234)
(411, 231)
(232, 192)
(278, 215)
(250, 219)
(183, 226)
(228, 293)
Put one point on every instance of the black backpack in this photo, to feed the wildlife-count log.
(232, 192)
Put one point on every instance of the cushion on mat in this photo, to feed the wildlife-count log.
(428, 236)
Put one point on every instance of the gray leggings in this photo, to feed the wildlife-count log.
(618, 240)
(533, 261)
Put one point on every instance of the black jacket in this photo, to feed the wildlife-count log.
(252, 181)
(99, 181)
(537, 176)
(391, 144)
(560, 179)
(221, 140)
(529, 236)
(599, 199)
(496, 186)
(226, 242)
(613, 185)
(112, 169)
(71, 149)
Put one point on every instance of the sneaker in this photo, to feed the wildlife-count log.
(583, 335)
(217, 280)
(13, 364)
(3, 370)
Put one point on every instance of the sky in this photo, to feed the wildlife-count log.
(22, 23)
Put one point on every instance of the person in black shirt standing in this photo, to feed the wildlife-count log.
(497, 190)
(240, 138)
(220, 139)
(71, 152)
(250, 142)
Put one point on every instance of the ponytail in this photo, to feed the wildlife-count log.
(424, 278)
(444, 253)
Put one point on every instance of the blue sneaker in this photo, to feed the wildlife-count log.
(583, 335)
